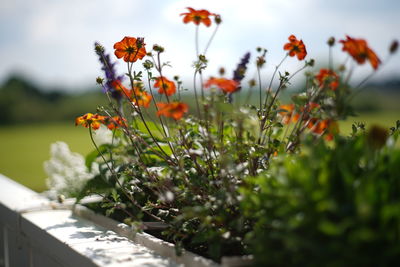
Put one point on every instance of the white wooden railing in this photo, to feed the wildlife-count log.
(38, 232)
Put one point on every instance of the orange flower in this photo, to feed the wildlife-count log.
(327, 78)
(90, 120)
(141, 97)
(327, 127)
(130, 48)
(295, 47)
(173, 110)
(288, 114)
(125, 92)
(226, 85)
(116, 122)
(360, 52)
(197, 16)
(165, 86)
(312, 105)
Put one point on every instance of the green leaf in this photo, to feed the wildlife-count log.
(95, 185)
(92, 156)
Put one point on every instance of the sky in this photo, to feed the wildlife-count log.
(51, 41)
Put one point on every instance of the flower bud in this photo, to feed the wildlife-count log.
(218, 19)
(98, 48)
(140, 42)
(260, 61)
(342, 68)
(393, 47)
(377, 137)
(252, 83)
(148, 64)
(158, 48)
(203, 58)
(331, 41)
(311, 62)
(99, 80)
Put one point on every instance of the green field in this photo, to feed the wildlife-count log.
(24, 148)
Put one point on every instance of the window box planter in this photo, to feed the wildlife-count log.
(36, 231)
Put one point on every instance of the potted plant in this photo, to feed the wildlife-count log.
(200, 171)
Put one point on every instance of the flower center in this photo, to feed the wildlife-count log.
(130, 50)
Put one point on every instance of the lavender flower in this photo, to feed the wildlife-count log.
(109, 70)
(238, 74)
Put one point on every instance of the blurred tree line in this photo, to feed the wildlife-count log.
(23, 102)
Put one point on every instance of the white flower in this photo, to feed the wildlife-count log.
(66, 170)
(102, 136)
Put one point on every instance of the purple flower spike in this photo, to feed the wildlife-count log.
(109, 70)
(240, 71)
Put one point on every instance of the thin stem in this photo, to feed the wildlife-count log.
(211, 39)
(118, 182)
(137, 108)
(259, 86)
(330, 59)
(195, 94)
(272, 79)
(101, 154)
(197, 41)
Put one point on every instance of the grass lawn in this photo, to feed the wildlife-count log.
(24, 148)
(387, 119)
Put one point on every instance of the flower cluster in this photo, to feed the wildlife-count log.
(327, 78)
(93, 121)
(66, 171)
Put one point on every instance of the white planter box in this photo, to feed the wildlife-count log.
(37, 232)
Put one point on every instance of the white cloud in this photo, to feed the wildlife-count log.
(53, 40)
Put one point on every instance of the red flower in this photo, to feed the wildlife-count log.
(130, 48)
(360, 52)
(197, 16)
(226, 85)
(295, 47)
(327, 78)
(173, 110)
(165, 86)
(90, 120)
(116, 122)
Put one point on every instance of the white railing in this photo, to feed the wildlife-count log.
(37, 233)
